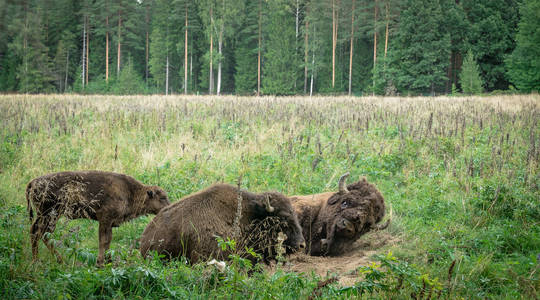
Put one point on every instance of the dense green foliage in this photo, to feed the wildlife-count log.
(524, 63)
(460, 175)
(469, 78)
(420, 45)
(420, 65)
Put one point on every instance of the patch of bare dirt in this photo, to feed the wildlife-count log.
(345, 266)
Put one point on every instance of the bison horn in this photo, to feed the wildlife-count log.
(381, 226)
(342, 186)
(269, 207)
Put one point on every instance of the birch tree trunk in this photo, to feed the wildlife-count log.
(220, 45)
(84, 54)
(167, 77)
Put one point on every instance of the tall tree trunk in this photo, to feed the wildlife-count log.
(119, 57)
(351, 50)
(186, 54)
(107, 50)
(84, 54)
(296, 41)
(449, 72)
(386, 32)
(25, 48)
(220, 45)
(259, 53)
(333, 42)
(87, 48)
(306, 52)
(146, 58)
(167, 77)
(67, 70)
(375, 42)
(312, 71)
(211, 72)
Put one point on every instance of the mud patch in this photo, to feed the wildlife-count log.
(345, 266)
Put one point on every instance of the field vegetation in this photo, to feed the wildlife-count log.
(460, 174)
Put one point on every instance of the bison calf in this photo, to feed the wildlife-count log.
(333, 221)
(189, 227)
(110, 198)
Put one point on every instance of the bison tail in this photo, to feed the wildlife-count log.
(28, 205)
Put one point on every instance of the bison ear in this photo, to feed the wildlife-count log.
(150, 193)
(332, 200)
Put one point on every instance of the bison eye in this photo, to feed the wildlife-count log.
(344, 204)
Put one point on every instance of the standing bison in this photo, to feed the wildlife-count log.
(333, 221)
(109, 198)
(189, 227)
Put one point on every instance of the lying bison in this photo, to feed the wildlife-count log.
(332, 221)
(109, 198)
(189, 227)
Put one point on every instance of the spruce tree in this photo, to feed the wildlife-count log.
(35, 70)
(280, 73)
(246, 50)
(469, 78)
(491, 34)
(524, 63)
(419, 59)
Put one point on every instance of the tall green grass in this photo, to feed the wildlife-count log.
(461, 175)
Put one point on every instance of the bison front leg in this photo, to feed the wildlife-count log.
(105, 237)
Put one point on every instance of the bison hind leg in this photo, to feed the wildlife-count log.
(41, 228)
(35, 236)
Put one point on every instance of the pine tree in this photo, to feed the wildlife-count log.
(469, 78)
(524, 63)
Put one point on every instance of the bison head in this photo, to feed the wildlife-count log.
(348, 214)
(156, 199)
(278, 205)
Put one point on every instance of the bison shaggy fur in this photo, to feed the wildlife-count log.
(190, 226)
(110, 198)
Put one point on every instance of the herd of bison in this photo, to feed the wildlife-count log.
(321, 224)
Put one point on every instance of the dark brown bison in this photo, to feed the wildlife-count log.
(189, 227)
(110, 198)
(332, 221)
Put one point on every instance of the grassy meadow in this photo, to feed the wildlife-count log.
(460, 174)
